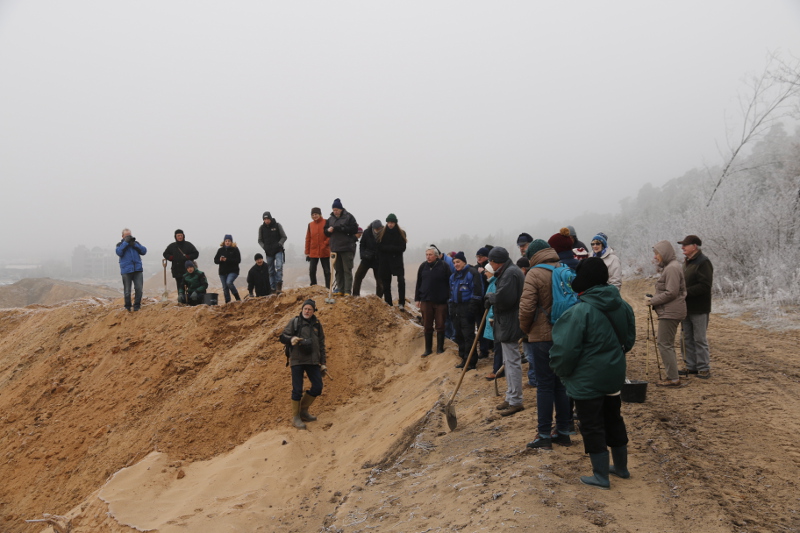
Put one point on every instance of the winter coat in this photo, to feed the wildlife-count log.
(699, 275)
(179, 252)
(537, 297)
(130, 256)
(368, 248)
(195, 282)
(317, 242)
(391, 245)
(614, 267)
(488, 329)
(343, 238)
(505, 300)
(587, 354)
(466, 286)
(311, 350)
(258, 279)
(232, 259)
(271, 237)
(669, 301)
(433, 282)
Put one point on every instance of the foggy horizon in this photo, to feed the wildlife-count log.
(460, 118)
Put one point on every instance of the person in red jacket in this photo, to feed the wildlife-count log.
(318, 248)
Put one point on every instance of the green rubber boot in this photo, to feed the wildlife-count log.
(305, 403)
(296, 420)
(620, 466)
(600, 470)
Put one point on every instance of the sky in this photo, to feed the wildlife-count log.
(461, 117)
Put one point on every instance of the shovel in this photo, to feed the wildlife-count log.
(329, 299)
(496, 390)
(165, 294)
(449, 410)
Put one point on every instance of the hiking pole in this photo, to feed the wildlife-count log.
(655, 342)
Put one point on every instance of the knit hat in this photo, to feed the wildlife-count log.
(178, 231)
(580, 253)
(590, 272)
(337, 204)
(257, 257)
(524, 238)
(376, 224)
(482, 251)
(536, 246)
(228, 237)
(310, 302)
(523, 262)
(602, 238)
(360, 230)
(188, 264)
(316, 210)
(498, 254)
(461, 256)
(572, 231)
(561, 241)
(267, 214)
(391, 218)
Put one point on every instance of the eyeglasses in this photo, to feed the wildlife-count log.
(595, 243)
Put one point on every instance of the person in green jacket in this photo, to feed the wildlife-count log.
(195, 283)
(589, 344)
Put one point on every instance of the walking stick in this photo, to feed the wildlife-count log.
(655, 342)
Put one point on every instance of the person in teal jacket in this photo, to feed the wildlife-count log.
(589, 344)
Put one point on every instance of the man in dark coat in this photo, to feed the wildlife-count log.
(179, 252)
(507, 332)
(368, 251)
(699, 274)
(391, 243)
(342, 227)
(258, 278)
(271, 238)
(466, 295)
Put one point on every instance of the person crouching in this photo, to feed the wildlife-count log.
(195, 284)
(305, 349)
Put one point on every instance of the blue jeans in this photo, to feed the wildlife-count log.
(314, 376)
(275, 266)
(137, 278)
(528, 347)
(550, 393)
(228, 287)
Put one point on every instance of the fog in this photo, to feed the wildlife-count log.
(459, 117)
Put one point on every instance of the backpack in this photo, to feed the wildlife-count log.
(563, 295)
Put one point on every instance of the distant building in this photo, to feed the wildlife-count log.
(96, 263)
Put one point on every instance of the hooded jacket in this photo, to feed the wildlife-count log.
(614, 267)
(311, 351)
(130, 256)
(699, 274)
(271, 237)
(537, 297)
(232, 259)
(508, 289)
(587, 354)
(179, 252)
(669, 301)
(317, 242)
(345, 227)
(195, 282)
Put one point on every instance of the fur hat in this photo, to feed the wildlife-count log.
(316, 210)
(590, 272)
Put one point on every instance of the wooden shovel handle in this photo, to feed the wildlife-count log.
(469, 357)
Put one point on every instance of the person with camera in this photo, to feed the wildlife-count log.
(130, 267)
(304, 339)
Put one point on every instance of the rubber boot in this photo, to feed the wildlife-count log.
(600, 469)
(439, 342)
(620, 466)
(428, 343)
(279, 288)
(296, 420)
(305, 403)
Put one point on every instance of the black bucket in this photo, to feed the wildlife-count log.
(210, 298)
(634, 392)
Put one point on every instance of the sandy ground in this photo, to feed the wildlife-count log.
(46, 291)
(176, 419)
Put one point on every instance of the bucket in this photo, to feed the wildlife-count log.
(634, 391)
(210, 298)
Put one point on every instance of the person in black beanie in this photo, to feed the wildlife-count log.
(179, 252)
(258, 278)
(590, 341)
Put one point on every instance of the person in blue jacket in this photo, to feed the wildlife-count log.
(130, 267)
(466, 301)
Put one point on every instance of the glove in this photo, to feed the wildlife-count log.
(170, 258)
(308, 258)
(181, 298)
(133, 240)
(296, 340)
(476, 308)
(647, 301)
(489, 300)
(194, 296)
(324, 371)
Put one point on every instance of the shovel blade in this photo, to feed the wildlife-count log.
(450, 415)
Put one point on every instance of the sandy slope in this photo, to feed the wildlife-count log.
(86, 390)
(48, 291)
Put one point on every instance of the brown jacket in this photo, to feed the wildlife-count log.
(537, 298)
(669, 301)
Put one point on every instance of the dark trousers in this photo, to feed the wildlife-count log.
(550, 393)
(326, 270)
(602, 425)
(484, 344)
(431, 313)
(361, 272)
(401, 288)
(464, 322)
(314, 376)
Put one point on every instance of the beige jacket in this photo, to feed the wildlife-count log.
(669, 301)
(537, 295)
